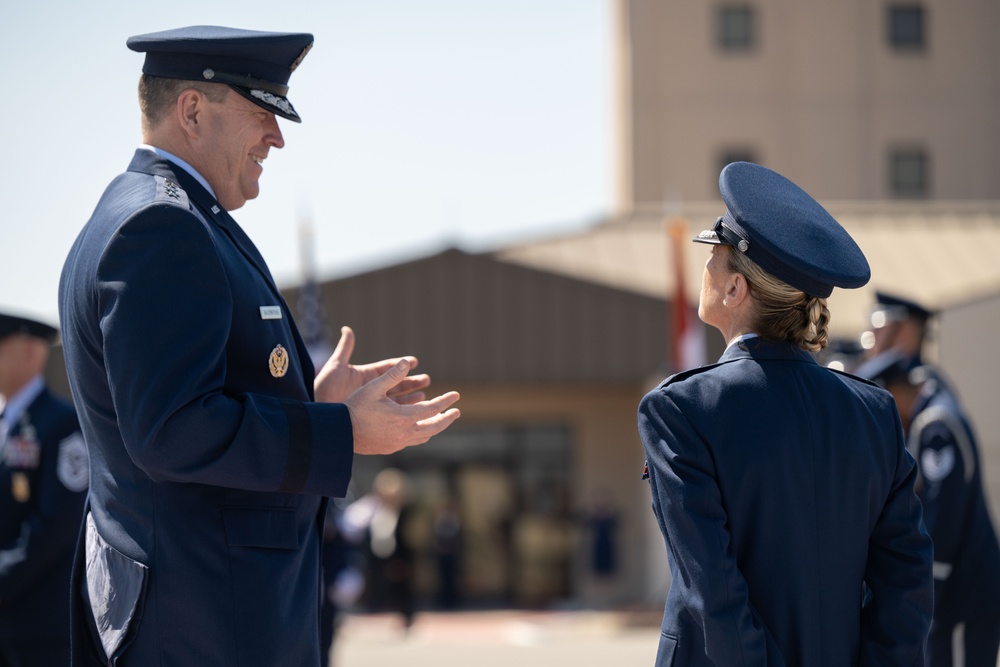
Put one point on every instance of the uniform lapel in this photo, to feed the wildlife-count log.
(249, 250)
(148, 162)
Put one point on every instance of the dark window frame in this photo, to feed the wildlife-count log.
(909, 168)
(906, 27)
(737, 153)
(733, 153)
(737, 27)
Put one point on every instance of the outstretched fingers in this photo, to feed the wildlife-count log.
(379, 368)
(431, 417)
(410, 399)
(402, 392)
(345, 346)
(428, 428)
(427, 409)
(384, 423)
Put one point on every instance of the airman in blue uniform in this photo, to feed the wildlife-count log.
(897, 323)
(950, 486)
(213, 442)
(43, 485)
(783, 489)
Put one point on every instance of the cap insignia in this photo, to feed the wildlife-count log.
(298, 61)
(273, 100)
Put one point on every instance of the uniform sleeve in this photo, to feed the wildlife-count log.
(947, 463)
(165, 311)
(896, 619)
(688, 506)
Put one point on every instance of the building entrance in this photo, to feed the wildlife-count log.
(489, 519)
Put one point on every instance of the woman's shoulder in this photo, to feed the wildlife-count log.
(695, 384)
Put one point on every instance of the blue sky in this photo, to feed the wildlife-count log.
(427, 123)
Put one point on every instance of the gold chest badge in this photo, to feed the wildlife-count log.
(20, 487)
(278, 361)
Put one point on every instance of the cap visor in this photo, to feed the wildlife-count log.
(279, 106)
(709, 237)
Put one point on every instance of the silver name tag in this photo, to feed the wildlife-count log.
(270, 312)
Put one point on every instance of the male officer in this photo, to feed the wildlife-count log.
(897, 323)
(43, 484)
(950, 487)
(212, 443)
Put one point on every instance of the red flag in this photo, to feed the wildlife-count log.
(688, 339)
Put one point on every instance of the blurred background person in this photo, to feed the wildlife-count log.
(966, 618)
(897, 323)
(343, 579)
(447, 542)
(603, 524)
(382, 515)
(44, 474)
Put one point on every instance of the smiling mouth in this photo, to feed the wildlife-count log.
(257, 159)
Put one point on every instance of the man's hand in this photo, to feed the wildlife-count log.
(383, 425)
(338, 379)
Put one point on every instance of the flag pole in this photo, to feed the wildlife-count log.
(687, 348)
(310, 311)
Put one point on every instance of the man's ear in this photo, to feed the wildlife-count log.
(189, 109)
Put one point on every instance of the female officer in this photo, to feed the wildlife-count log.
(783, 489)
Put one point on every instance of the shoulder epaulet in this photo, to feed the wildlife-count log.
(168, 191)
(683, 375)
(854, 377)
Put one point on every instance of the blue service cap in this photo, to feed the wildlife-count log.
(786, 232)
(895, 308)
(255, 64)
(890, 367)
(12, 324)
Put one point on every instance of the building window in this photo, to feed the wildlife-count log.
(909, 173)
(907, 27)
(736, 28)
(737, 154)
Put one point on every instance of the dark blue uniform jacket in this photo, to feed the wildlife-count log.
(202, 546)
(966, 554)
(780, 488)
(39, 520)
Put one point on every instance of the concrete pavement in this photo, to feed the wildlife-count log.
(504, 638)
(499, 639)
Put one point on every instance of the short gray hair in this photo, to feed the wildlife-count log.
(158, 94)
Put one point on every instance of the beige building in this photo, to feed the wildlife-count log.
(856, 99)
